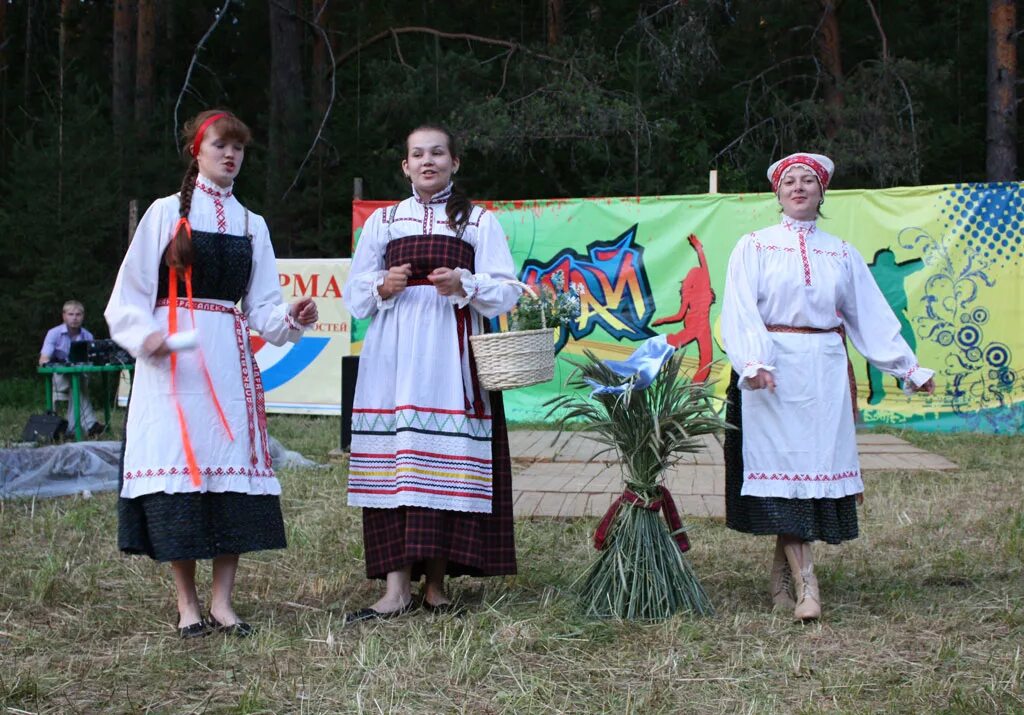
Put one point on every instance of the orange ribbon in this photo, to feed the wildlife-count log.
(172, 328)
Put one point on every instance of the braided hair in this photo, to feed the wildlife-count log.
(459, 207)
(179, 254)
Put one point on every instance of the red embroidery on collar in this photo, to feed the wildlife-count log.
(218, 205)
(803, 257)
(438, 198)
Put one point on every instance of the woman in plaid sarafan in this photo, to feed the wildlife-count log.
(429, 462)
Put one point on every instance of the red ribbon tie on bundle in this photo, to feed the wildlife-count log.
(664, 503)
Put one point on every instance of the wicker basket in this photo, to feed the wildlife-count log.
(519, 358)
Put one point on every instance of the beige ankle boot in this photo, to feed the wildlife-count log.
(794, 558)
(781, 583)
(808, 603)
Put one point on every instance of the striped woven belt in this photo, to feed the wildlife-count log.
(802, 329)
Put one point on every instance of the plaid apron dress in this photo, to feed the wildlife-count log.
(431, 471)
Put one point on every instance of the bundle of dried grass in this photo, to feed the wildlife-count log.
(651, 415)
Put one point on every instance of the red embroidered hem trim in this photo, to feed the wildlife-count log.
(796, 477)
(205, 471)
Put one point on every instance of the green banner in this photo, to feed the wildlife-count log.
(948, 260)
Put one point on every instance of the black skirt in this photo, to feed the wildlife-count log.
(829, 520)
(197, 525)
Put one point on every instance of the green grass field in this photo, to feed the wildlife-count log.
(923, 614)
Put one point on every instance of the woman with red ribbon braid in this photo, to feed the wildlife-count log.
(429, 463)
(792, 295)
(196, 478)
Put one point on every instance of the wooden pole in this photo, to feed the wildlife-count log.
(133, 218)
(357, 188)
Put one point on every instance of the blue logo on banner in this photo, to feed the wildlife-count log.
(295, 361)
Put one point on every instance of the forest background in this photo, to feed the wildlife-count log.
(551, 98)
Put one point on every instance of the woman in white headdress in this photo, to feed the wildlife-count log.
(792, 294)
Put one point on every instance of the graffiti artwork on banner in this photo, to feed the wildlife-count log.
(615, 296)
(696, 296)
(949, 261)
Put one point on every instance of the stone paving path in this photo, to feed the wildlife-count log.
(570, 479)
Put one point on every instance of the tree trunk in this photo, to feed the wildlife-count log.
(1001, 160)
(828, 53)
(321, 63)
(121, 109)
(554, 17)
(3, 82)
(286, 99)
(62, 46)
(321, 96)
(29, 5)
(167, 31)
(145, 53)
(3, 37)
(66, 7)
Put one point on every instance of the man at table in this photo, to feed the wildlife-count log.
(56, 347)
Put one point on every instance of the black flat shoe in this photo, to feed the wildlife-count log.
(369, 614)
(241, 629)
(199, 629)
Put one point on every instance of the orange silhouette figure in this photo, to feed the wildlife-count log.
(695, 299)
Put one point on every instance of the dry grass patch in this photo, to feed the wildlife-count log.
(923, 613)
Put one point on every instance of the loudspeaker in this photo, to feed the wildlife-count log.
(349, 372)
(47, 427)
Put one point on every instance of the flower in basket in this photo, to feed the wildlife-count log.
(525, 354)
(649, 413)
(559, 306)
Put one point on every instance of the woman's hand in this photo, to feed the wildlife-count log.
(395, 281)
(447, 281)
(154, 346)
(927, 388)
(763, 380)
(304, 311)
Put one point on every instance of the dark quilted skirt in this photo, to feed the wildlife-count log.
(474, 544)
(829, 520)
(194, 525)
(181, 527)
